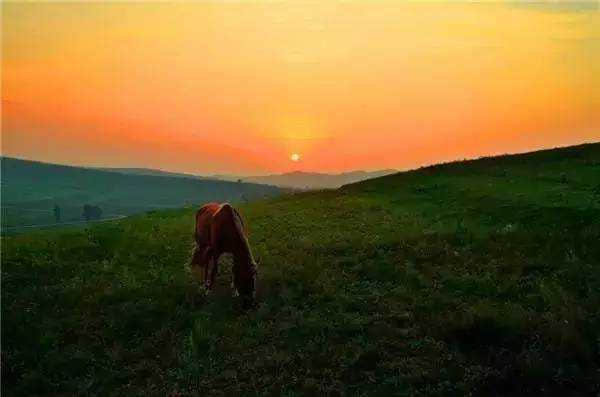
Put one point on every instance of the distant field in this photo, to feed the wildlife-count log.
(30, 190)
(470, 278)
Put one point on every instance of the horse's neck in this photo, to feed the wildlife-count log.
(244, 254)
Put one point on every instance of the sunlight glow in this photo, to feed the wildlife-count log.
(238, 87)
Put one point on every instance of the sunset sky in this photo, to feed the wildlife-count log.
(239, 87)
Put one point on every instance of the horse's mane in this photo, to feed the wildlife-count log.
(239, 217)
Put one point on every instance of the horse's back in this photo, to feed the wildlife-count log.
(216, 218)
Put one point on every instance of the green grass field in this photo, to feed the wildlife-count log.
(479, 277)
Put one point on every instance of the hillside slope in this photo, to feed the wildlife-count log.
(150, 171)
(31, 189)
(479, 277)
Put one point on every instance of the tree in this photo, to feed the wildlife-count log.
(91, 212)
(56, 213)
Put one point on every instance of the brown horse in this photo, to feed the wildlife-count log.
(220, 229)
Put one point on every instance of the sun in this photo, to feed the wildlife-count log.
(295, 157)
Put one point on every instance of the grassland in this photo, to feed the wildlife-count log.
(479, 277)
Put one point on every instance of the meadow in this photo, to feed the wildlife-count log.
(470, 278)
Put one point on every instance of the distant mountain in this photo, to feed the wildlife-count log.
(294, 180)
(31, 190)
(309, 180)
(152, 172)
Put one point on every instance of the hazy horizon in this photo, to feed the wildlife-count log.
(246, 88)
(133, 167)
(217, 174)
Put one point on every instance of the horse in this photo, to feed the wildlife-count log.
(220, 229)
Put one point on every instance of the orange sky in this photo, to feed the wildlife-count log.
(237, 87)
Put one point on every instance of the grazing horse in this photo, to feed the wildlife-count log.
(220, 229)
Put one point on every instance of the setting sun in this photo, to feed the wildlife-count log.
(388, 84)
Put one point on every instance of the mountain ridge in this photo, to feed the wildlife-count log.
(309, 180)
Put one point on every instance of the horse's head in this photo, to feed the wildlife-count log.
(245, 279)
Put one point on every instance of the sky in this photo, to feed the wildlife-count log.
(247, 87)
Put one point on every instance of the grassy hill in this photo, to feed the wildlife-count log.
(30, 190)
(478, 277)
(150, 171)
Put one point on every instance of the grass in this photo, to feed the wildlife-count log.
(479, 277)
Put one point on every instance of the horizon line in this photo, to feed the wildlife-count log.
(241, 176)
